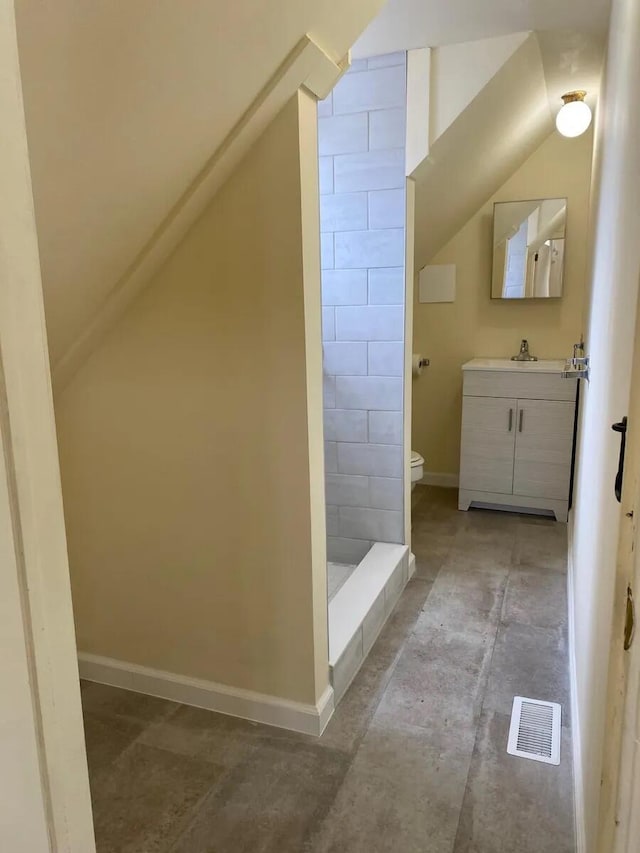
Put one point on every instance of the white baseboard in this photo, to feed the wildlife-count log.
(578, 777)
(236, 702)
(412, 565)
(437, 478)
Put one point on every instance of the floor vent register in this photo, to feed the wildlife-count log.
(535, 730)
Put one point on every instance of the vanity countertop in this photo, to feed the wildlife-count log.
(505, 364)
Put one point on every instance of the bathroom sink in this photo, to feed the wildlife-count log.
(542, 366)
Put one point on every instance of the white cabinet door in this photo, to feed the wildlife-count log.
(488, 436)
(544, 441)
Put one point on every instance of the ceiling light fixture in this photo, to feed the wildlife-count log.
(574, 116)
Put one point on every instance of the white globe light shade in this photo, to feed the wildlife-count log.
(573, 118)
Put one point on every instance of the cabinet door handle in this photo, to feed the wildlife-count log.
(521, 420)
(510, 419)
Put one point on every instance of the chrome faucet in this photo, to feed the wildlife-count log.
(524, 354)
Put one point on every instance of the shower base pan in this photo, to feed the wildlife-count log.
(361, 606)
(337, 575)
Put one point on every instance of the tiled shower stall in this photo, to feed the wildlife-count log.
(361, 132)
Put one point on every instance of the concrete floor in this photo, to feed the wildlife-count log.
(414, 759)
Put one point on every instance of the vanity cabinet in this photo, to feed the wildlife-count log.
(517, 435)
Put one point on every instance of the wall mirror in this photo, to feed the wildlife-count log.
(528, 248)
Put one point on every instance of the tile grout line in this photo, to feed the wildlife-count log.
(480, 712)
(146, 725)
(393, 666)
(198, 806)
(391, 670)
(358, 742)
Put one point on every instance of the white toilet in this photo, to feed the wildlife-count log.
(417, 468)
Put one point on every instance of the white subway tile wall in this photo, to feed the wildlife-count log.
(370, 89)
(329, 392)
(384, 427)
(348, 490)
(369, 323)
(359, 65)
(331, 457)
(345, 358)
(343, 212)
(346, 425)
(387, 129)
(386, 286)
(344, 287)
(343, 134)
(332, 520)
(386, 492)
(326, 251)
(325, 108)
(379, 525)
(328, 324)
(377, 460)
(350, 551)
(325, 174)
(386, 209)
(380, 248)
(373, 170)
(385, 358)
(387, 59)
(369, 392)
(361, 140)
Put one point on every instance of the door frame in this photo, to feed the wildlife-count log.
(40, 710)
(619, 814)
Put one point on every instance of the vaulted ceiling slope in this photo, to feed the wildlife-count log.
(490, 139)
(404, 24)
(498, 130)
(125, 104)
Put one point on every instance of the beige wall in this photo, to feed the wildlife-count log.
(141, 95)
(192, 478)
(475, 325)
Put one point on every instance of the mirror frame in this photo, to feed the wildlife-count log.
(493, 228)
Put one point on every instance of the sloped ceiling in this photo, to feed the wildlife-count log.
(488, 141)
(572, 59)
(125, 103)
(404, 24)
(459, 72)
(500, 129)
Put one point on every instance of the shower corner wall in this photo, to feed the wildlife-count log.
(361, 133)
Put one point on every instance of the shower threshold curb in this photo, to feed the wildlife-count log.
(360, 608)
